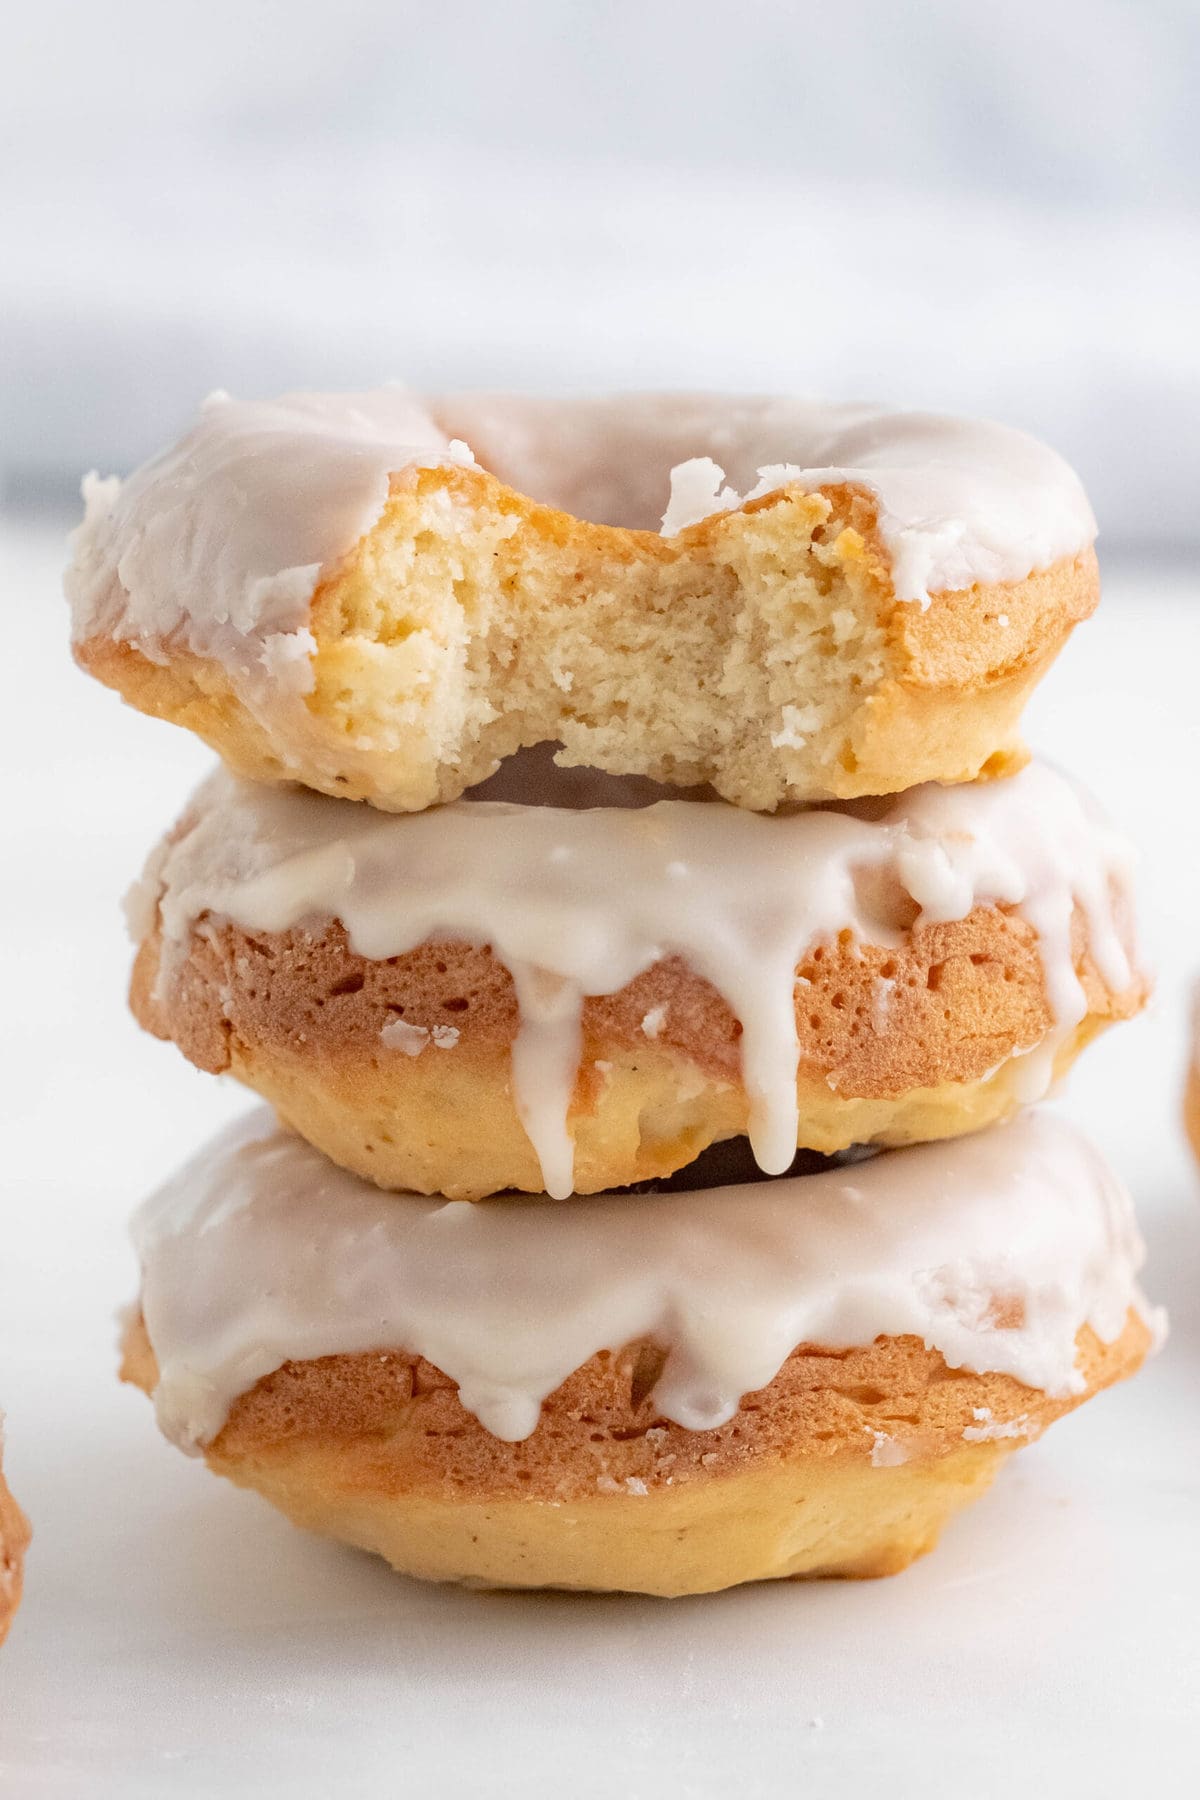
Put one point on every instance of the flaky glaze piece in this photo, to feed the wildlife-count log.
(848, 1463)
(782, 649)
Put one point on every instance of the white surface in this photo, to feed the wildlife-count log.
(178, 1637)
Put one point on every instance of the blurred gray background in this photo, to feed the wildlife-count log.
(982, 208)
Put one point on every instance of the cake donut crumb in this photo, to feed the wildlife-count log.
(335, 589)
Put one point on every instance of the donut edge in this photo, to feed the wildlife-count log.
(445, 1122)
(605, 1496)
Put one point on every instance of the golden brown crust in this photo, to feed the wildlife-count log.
(473, 621)
(848, 1462)
(896, 1046)
(14, 1540)
(985, 649)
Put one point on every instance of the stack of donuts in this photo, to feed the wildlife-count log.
(627, 887)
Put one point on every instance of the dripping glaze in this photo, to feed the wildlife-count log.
(261, 1252)
(579, 902)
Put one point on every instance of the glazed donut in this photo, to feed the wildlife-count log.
(331, 589)
(14, 1540)
(494, 995)
(668, 1393)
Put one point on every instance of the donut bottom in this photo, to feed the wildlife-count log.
(14, 1540)
(788, 1522)
(445, 1123)
(847, 1464)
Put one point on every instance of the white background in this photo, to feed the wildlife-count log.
(989, 209)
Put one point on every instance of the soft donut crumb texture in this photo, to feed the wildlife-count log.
(14, 1540)
(848, 1463)
(762, 651)
(897, 1045)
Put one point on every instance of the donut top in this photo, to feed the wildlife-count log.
(579, 902)
(217, 545)
(994, 1249)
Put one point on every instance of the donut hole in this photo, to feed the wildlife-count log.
(534, 776)
(730, 1163)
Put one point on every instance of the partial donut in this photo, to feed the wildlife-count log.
(1191, 1094)
(494, 995)
(14, 1541)
(331, 589)
(668, 1393)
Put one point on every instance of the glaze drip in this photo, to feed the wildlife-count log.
(578, 903)
(994, 1249)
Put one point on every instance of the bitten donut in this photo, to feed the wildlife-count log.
(497, 995)
(668, 1394)
(14, 1540)
(336, 589)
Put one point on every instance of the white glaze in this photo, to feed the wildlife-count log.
(959, 501)
(216, 545)
(260, 1252)
(578, 903)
